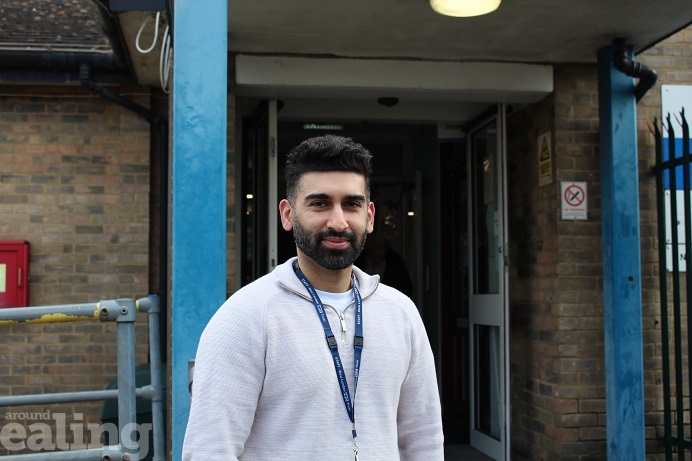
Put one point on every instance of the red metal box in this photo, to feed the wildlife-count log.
(14, 273)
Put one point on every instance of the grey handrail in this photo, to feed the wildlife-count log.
(124, 313)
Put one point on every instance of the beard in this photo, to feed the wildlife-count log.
(329, 258)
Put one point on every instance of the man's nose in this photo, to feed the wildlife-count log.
(337, 220)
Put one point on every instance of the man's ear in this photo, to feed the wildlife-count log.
(286, 213)
(371, 217)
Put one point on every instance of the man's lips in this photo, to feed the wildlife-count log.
(336, 242)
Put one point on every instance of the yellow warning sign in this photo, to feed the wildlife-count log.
(545, 150)
(545, 160)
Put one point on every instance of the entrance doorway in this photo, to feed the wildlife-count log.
(474, 299)
(455, 306)
(440, 206)
(487, 287)
(394, 188)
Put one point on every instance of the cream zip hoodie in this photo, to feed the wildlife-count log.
(265, 386)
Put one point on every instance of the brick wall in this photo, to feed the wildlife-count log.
(533, 240)
(74, 182)
(556, 313)
(557, 359)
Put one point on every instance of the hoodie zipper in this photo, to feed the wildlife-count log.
(342, 322)
(342, 319)
(343, 327)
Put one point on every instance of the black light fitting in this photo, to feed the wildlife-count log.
(388, 101)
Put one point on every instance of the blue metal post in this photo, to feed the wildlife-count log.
(622, 302)
(198, 207)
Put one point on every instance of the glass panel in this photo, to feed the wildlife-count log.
(488, 385)
(253, 220)
(487, 243)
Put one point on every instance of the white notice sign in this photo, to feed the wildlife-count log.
(679, 226)
(574, 200)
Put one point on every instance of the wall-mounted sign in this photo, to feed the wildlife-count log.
(545, 160)
(450, 131)
(574, 200)
(679, 228)
(675, 99)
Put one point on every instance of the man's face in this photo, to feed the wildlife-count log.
(330, 217)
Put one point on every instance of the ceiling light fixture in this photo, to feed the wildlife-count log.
(388, 101)
(464, 8)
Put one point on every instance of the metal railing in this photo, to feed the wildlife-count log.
(673, 190)
(124, 313)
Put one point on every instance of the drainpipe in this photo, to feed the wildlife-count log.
(158, 124)
(57, 60)
(85, 79)
(62, 67)
(646, 75)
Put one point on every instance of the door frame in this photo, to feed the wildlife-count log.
(272, 179)
(423, 277)
(498, 450)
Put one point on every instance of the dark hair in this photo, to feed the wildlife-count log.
(326, 153)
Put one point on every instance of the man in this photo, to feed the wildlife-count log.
(316, 360)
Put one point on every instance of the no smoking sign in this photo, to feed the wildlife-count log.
(574, 200)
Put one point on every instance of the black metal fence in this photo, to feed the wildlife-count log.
(674, 189)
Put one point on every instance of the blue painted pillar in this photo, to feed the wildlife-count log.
(622, 290)
(198, 183)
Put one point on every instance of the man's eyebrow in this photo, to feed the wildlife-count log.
(316, 195)
(356, 197)
(323, 196)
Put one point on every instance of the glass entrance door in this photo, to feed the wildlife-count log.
(487, 282)
(258, 194)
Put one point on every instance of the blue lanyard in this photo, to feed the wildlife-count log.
(331, 342)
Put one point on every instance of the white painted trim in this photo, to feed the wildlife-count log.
(369, 109)
(487, 82)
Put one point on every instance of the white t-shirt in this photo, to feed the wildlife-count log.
(340, 301)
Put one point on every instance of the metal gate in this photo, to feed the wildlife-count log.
(124, 313)
(673, 190)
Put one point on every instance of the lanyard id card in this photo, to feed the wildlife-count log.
(332, 344)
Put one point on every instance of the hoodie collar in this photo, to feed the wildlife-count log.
(284, 276)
